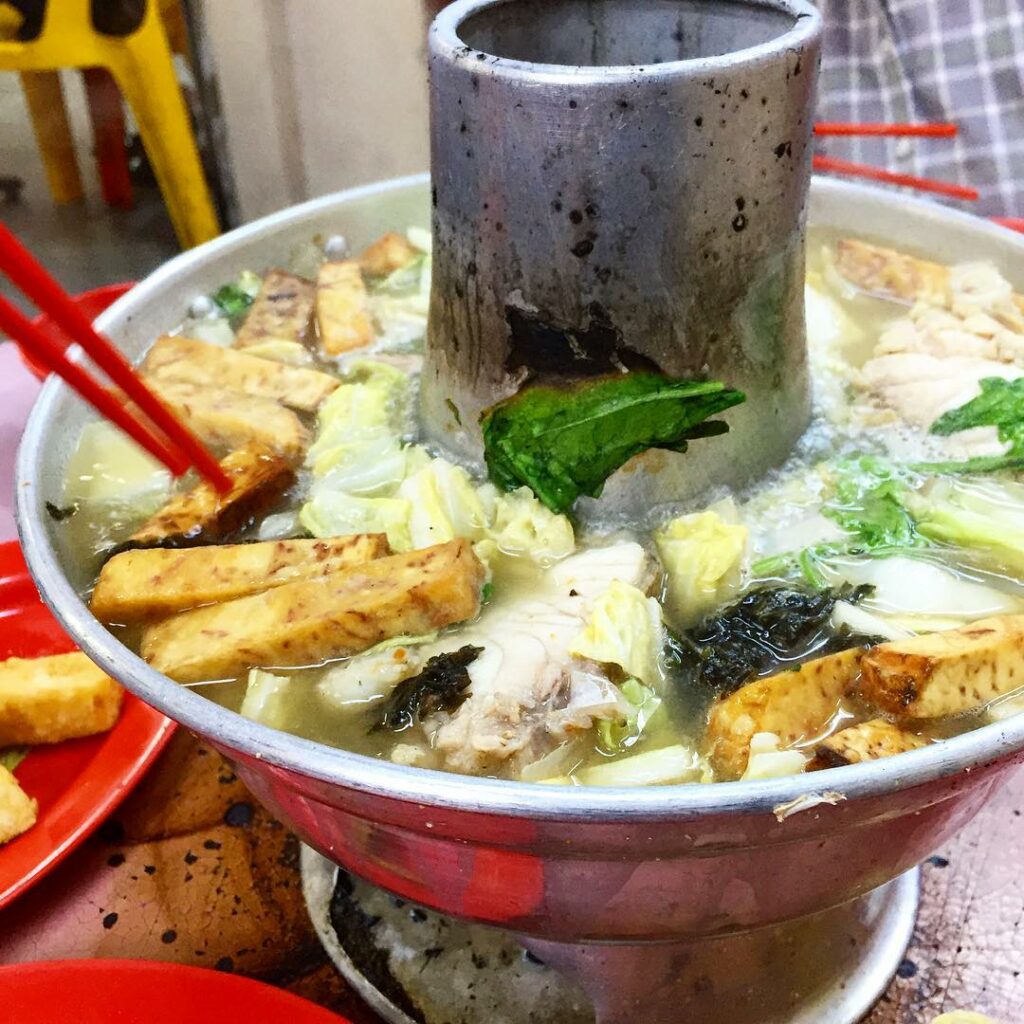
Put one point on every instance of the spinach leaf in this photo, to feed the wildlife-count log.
(1000, 405)
(765, 630)
(233, 301)
(439, 686)
(868, 503)
(564, 442)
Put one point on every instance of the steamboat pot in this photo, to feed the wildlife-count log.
(581, 867)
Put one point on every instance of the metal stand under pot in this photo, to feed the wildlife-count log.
(413, 966)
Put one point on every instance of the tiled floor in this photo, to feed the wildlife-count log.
(84, 244)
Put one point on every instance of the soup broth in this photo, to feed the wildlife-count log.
(826, 616)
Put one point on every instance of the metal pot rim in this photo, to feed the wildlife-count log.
(446, 42)
(425, 787)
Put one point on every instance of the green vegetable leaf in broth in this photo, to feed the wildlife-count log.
(869, 503)
(1000, 405)
(233, 301)
(566, 442)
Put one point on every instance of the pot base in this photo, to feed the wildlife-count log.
(412, 965)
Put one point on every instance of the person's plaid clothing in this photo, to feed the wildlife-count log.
(931, 60)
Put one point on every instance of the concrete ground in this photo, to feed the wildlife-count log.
(84, 244)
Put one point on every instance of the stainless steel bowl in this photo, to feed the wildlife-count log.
(563, 864)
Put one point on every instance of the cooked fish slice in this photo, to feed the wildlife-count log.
(312, 621)
(48, 700)
(259, 478)
(230, 419)
(867, 741)
(342, 307)
(947, 673)
(793, 704)
(522, 683)
(156, 582)
(389, 253)
(281, 311)
(18, 811)
(196, 362)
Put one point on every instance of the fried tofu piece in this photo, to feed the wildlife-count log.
(18, 811)
(196, 362)
(47, 700)
(230, 419)
(281, 311)
(342, 308)
(891, 274)
(389, 253)
(939, 674)
(157, 582)
(313, 621)
(259, 478)
(794, 704)
(868, 741)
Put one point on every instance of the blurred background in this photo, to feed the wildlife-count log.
(279, 113)
(106, 172)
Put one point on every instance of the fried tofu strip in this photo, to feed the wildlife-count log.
(312, 621)
(259, 477)
(281, 311)
(229, 419)
(891, 274)
(794, 705)
(946, 673)
(196, 362)
(389, 253)
(157, 582)
(342, 308)
(18, 811)
(868, 741)
(47, 700)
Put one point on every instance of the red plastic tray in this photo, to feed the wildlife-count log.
(137, 991)
(77, 783)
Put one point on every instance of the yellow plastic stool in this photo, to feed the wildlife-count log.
(142, 66)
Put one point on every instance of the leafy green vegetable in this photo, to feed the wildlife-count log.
(702, 556)
(978, 464)
(624, 628)
(235, 298)
(563, 443)
(765, 629)
(233, 301)
(869, 503)
(12, 757)
(983, 518)
(439, 686)
(621, 735)
(1000, 405)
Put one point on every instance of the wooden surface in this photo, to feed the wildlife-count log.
(191, 869)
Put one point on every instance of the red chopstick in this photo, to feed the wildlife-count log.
(942, 188)
(929, 131)
(16, 325)
(184, 449)
(1013, 223)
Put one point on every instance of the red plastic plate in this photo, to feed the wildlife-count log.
(77, 783)
(91, 303)
(136, 991)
